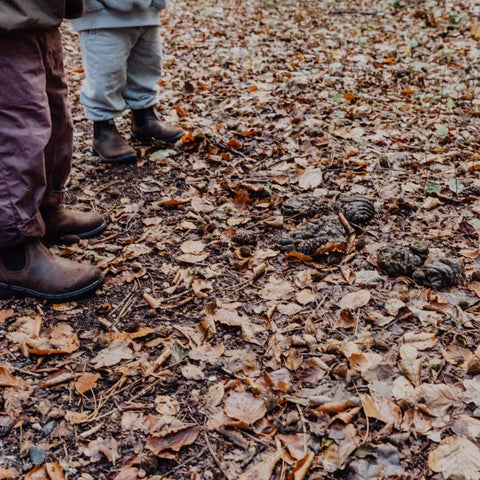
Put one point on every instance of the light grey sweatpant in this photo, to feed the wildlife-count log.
(122, 68)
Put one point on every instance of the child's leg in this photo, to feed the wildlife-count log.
(144, 69)
(143, 72)
(105, 53)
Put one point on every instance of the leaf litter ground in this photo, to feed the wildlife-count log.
(207, 354)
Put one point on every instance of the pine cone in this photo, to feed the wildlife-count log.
(398, 261)
(302, 205)
(357, 209)
(244, 238)
(439, 274)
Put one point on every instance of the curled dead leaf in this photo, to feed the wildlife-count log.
(245, 407)
(174, 439)
(456, 457)
(262, 470)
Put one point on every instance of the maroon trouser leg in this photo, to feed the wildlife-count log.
(36, 132)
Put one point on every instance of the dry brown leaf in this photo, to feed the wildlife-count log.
(294, 444)
(355, 300)
(141, 332)
(192, 372)
(76, 418)
(466, 425)
(305, 296)
(61, 339)
(174, 439)
(7, 379)
(7, 474)
(207, 353)
(310, 178)
(280, 380)
(47, 471)
(245, 407)
(410, 365)
(302, 467)
(110, 448)
(336, 455)
(117, 351)
(382, 409)
(276, 289)
(262, 470)
(135, 250)
(39, 472)
(250, 331)
(289, 309)
(86, 381)
(6, 313)
(166, 405)
(214, 396)
(360, 361)
(54, 471)
(192, 258)
(456, 457)
(194, 247)
(435, 399)
(129, 473)
(420, 340)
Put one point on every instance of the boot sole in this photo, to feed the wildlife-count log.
(82, 235)
(127, 158)
(140, 138)
(7, 291)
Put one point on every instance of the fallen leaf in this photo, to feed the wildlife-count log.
(172, 440)
(456, 457)
(61, 339)
(7, 379)
(301, 468)
(262, 470)
(310, 178)
(355, 300)
(6, 474)
(382, 409)
(117, 351)
(245, 407)
(86, 381)
(193, 246)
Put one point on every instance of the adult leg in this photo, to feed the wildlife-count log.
(58, 153)
(144, 69)
(25, 129)
(26, 266)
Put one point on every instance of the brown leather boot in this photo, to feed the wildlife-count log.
(31, 269)
(109, 145)
(146, 125)
(61, 221)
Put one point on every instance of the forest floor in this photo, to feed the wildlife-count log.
(228, 341)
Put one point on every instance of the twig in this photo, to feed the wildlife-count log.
(304, 429)
(214, 456)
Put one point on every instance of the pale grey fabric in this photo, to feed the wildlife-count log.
(122, 68)
(118, 14)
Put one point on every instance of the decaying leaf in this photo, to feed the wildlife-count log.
(457, 458)
(174, 439)
(245, 407)
(117, 351)
(382, 409)
(86, 381)
(355, 300)
(262, 470)
(435, 399)
(7, 379)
